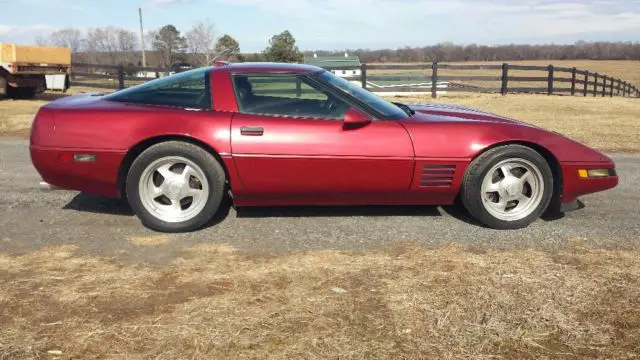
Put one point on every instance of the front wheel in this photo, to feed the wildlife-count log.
(175, 187)
(507, 187)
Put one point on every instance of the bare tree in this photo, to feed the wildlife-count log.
(127, 44)
(41, 41)
(103, 41)
(69, 37)
(201, 43)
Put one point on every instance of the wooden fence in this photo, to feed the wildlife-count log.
(387, 78)
(578, 82)
(112, 76)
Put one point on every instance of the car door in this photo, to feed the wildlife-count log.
(290, 145)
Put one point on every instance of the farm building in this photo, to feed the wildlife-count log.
(344, 66)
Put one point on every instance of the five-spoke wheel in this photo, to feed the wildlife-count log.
(175, 186)
(507, 187)
(174, 189)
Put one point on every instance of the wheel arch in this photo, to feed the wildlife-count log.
(140, 147)
(551, 159)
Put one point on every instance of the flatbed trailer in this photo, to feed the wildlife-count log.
(23, 68)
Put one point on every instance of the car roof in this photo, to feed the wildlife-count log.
(266, 67)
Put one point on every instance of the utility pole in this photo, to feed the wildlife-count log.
(144, 58)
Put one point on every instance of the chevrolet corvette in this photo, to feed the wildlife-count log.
(285, 134)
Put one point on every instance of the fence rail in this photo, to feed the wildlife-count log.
(430, 79)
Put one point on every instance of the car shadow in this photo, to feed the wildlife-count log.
(101, 205)
(94, 204)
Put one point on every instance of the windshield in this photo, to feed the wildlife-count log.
(385, 108)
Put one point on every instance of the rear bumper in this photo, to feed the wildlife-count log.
(58, 170)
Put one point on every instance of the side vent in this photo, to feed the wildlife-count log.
(437, 175)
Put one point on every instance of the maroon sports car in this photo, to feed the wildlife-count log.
(281, 134)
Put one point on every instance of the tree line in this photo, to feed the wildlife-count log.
(449, 52)
(166, 47)
(200, 46)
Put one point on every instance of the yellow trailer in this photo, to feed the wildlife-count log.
(23, 68)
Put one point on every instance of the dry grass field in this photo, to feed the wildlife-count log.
(403, 302)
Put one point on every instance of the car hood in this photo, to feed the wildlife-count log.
(452, 113)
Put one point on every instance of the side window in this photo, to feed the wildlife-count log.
(190, 89)
(286, 95)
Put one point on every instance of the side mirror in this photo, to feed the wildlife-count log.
(354, 118)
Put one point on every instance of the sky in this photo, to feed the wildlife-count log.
(341, 24)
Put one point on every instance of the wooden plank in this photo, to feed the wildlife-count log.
(147, 68)
(469, 78)
(467, 89)
(470, 66)
(529, 90)
(398, 66)
(93, 76)
(426, 90)
(563, 69)
(529, 78)
(98, 66)
(398, 78)
(138, 78)
(562, 80)
(529, 67)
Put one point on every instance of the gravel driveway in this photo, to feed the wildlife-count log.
(31, 219)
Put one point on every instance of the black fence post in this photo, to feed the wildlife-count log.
(611, 88)
(573, 81)
(604, 86)
(595, 84)
(505, 79)
(586, 83)
(363, 75)
(120, 77)
(618, 88)
(434, 79)
(550, 81)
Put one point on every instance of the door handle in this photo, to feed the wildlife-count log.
(252, 131)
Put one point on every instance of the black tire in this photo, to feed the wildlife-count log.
(471, 193)
(210, 166)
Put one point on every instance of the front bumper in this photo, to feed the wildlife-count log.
(574, 185)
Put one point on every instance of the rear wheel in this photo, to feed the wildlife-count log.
(507, 187)
(175, 187)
